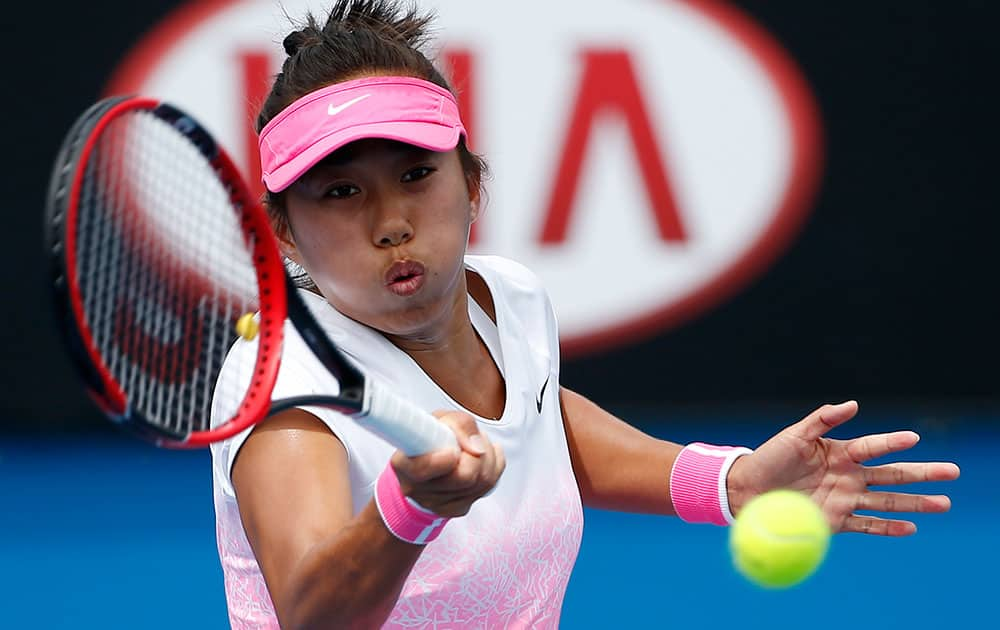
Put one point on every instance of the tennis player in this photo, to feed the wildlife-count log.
(372, 191)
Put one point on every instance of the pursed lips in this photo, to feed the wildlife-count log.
(405, 277)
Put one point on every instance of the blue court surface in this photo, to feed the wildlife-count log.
(112, 533)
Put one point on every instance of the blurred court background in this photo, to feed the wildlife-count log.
(884, 292)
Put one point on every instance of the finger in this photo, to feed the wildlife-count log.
(910, 472)
(467, 431)
(899, 502)
(819, 422)
(500, 462)
(455, 507)
(471, 476)
(877, 526)
(468, 483)
(493, 476)
(425, 467)
(869, 447)
(454, 504)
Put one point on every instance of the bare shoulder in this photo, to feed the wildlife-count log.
(290, 440)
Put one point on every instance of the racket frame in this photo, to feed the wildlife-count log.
(370, 403)
(62, 210)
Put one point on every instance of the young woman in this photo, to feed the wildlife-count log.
(372, 192)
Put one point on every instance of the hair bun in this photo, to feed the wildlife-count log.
(297, 40)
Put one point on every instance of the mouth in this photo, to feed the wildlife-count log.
(405, 277)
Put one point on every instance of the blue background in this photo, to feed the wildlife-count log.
(107, 532)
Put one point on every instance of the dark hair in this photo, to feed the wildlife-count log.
(360, 38)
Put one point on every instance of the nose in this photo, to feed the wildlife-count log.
(392, 227)
(394, 235)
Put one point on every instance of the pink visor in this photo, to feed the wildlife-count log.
(405, 109)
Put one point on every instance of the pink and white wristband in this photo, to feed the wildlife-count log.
(698, 482)
(403, 517)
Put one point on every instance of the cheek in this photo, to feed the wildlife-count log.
(454, 209)
(446, 233)
(324, 249)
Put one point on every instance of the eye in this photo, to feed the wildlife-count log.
(341, 191)
(416, 174)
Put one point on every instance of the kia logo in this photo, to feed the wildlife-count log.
(650, 158)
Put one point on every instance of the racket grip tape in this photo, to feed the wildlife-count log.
(401, 423)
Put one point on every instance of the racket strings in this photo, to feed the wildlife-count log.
(163, 268)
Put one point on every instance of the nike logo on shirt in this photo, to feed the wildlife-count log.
(333, 110)
(541, 394)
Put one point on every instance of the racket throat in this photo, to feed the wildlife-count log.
(354, 394)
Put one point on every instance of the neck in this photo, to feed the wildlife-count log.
(450, 332)
(454, 357)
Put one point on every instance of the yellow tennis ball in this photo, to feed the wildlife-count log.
(779, 539)
(247, 326)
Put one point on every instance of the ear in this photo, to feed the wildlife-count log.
(475, 198)
(286, 242)
(474, 209)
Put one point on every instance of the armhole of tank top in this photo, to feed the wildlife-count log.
(488, 332)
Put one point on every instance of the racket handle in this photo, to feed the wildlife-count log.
(401, 423)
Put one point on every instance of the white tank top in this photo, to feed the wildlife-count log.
(506, 563)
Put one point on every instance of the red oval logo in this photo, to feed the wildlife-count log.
(649, 162)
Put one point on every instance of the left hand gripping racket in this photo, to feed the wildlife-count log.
(158, 249)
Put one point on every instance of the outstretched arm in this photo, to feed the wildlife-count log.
(620, 468)
(617, 466)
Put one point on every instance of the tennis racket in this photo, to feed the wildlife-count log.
(160, 259)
